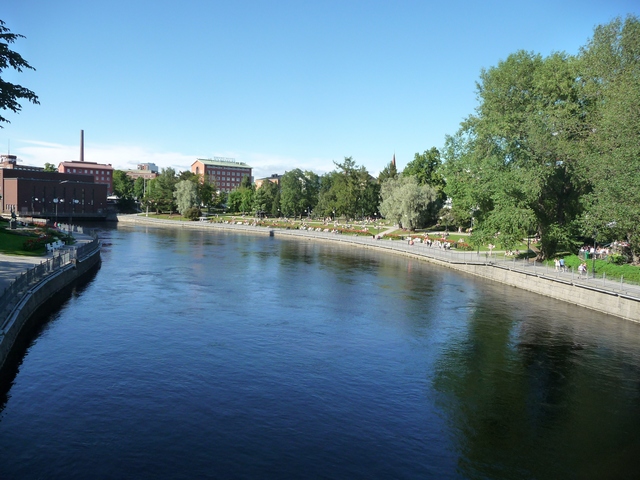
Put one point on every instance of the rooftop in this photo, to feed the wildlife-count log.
(222, 162)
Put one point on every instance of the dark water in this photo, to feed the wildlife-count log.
(208, 355)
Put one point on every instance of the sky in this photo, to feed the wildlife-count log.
(275, 84)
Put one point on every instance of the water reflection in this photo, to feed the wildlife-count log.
(532, 395)
(256, 357)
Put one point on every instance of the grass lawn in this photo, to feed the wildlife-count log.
(13, 243)
(630, 273)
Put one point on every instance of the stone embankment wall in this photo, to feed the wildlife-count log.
(39, 294)
(618, 303)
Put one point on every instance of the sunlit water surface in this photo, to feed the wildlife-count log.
(219, 355)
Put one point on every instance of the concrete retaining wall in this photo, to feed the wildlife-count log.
(39, 295)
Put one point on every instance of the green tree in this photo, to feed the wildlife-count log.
(240, 199)
(390, 171)
(517, 153)
(139, 188)
(293, 200)
(265, 197)
(160, 190)
(207, 192)
(122, 184)
(10, 93)
(123, 189)
(327, 196)
(50, 167)
(610, 68)
(404, 199)
(426, 168)
(186, 195)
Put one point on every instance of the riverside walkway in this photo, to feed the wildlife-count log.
(18, 274)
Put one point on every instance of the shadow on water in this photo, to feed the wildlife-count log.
(513, 383)
(34, 327)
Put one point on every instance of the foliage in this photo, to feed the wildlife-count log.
(240, 200)
(139, 188)
(192, 213)
(404, 200)
(10, 93)
(348, 191)
(265, 198)
(298, 192)
(50, 167)
(610, 70)
(37, 243)
(513, 163)
(390, 171)
(186, 195)
(426, 167)
(159, 196)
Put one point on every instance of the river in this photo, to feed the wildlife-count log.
(195, 354)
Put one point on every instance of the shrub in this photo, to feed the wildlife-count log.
(192, 213)
(617, 259)
(36, 243)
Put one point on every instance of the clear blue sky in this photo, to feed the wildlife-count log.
(276, 84)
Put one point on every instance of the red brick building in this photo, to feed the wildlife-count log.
(51, 194)
(225, 172)
(101, 173)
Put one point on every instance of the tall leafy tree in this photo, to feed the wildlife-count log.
(610, 67)
(11, 93)
(426, 168)
(265, 198)
(123, 189)
(517, 153)
(390, 171)
(186, 195)
(293, 199)
(160, 191)
(404, 199)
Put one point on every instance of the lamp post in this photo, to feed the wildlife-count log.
(593, 259)
(55, 200)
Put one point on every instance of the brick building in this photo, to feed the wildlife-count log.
(101, 173)
(275, 178)
(225, 172)
(51, 194)
(148, 171)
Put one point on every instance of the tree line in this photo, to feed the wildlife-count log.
(552, 150)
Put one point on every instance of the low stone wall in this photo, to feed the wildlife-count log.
(39, 295)
(583, 295)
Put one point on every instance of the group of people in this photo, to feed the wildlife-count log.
(587, 252)
(443, 244)
(582, 269)
(559, 264)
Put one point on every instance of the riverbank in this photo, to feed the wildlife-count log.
(31, 291)
(620, 300)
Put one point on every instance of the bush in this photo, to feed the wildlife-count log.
(462, 246)
(617, 259)
(37, 243)
(192, 213)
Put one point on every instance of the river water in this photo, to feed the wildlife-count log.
(222, 355)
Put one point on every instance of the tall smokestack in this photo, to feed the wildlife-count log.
(82, 145)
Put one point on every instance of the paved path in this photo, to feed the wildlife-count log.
(12, 266)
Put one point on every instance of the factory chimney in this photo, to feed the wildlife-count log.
(82, 145)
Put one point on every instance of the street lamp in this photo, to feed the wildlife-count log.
(593, 260)
(55, 200)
